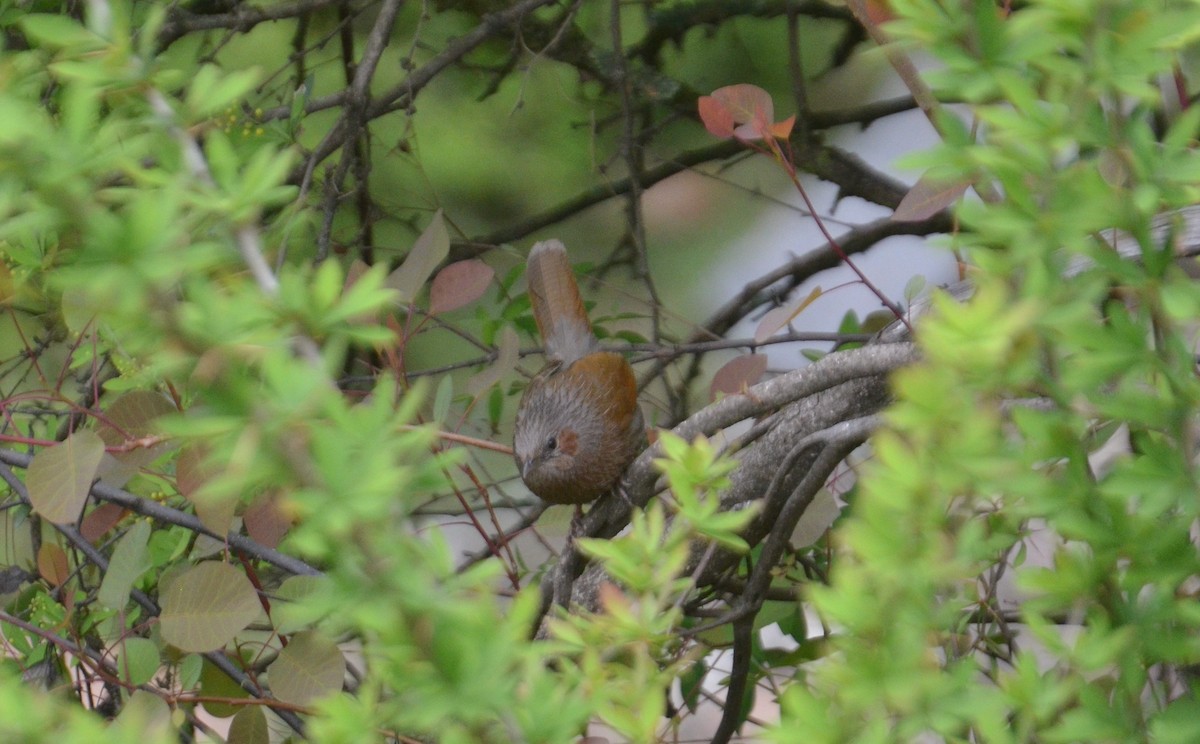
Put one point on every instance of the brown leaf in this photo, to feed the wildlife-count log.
(738, 374)
(129, 418)
(100, 520)
(781, 316)
(266, 523)
(426, 254)
(612, 600)
(458, 285)
(191, 471)
(928, 197)
(52, 564)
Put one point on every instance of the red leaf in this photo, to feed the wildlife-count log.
(738, 374)
(751, 107)
(743, 111)
(718, 119)
(458, 285)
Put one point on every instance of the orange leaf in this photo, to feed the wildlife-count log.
(783, 129)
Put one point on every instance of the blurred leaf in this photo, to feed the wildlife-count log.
(738, 374)
(58, 31)
(781, 316)
(265, 520)
(691, 682)
(430, 250)
(817, 519)
(309, 668)
(213, 90)
(458, 285)
(129, 418)
(913, 287)
(191, 471)
(289, 611)
(147, 714)
(927, 197)
(189, 671)
(205, 607)
(717, 117)
(61, 476)
(508, 352)
(442, 399)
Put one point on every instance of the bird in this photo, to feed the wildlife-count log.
(578, 424)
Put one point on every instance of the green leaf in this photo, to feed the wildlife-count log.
(189, 671)
(61, 476)
(138, 660)
(144, 713)
(213, 90)
(205, 607)
(129, 560)
(58, 32)
(217, 686)
(691, 682)
(249, 726)
(442, 399)
(309, 668)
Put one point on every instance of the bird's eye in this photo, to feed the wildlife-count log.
(552, 443)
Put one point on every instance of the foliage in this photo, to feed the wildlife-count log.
(262, 344)
(967, 482)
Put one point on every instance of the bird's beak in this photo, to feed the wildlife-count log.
(524, 468)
